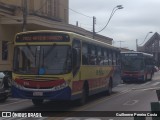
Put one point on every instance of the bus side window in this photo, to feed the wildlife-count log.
(102, 56)
(98, 55)
(114, 58)
(92, 55)
(105, 57)
(84, 54)
(110, 57)
(76, 60)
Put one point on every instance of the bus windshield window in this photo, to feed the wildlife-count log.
(132, 63)
(40, 60)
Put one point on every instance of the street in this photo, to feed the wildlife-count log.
(125, 98)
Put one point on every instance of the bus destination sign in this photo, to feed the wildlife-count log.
(133, 54)
(42, 37)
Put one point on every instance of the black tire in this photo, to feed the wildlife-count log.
(145, 79)
(109, 91)
(37, 102)
(84, 96)
(124, 81)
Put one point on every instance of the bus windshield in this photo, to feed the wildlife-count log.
(51, 59)
(132, 63)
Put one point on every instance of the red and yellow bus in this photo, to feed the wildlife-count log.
(59, 65)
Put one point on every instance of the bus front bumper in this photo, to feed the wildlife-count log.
(132, 78)
(63, 94)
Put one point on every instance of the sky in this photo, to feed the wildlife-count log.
(134, 21)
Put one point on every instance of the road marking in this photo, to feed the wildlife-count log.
(131, 102)
(102, 100)
(156, 83)
(153, 88)
(144, 84)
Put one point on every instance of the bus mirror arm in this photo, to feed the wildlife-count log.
(74, 56)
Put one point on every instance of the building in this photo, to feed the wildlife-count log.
(152, 46)
(20, 15)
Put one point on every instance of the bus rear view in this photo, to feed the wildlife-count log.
(136, 66)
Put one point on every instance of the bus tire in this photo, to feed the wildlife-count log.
(84, 95)
(109, 91)
(37, 102)
(144, 78)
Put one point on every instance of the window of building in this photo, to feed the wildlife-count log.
(48, 7)
(4, 50)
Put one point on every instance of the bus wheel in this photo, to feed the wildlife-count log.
(37, 102)
(84, 95)
(109, 91)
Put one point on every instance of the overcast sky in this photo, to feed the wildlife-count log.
(134, 21)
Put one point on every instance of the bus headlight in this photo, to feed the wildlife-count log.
(59, 87)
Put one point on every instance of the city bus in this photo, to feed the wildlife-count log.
(136, 66)
(61, 65)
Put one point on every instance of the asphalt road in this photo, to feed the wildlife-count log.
(126, 98)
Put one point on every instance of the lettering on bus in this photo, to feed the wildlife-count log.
(131, 55)
(42, 37)
(101, 72)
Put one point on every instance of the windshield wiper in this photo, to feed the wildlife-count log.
(51, 48)
(29, 48)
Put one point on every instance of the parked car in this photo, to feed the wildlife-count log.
(4, 86)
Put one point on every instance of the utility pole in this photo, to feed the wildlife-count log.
(120, 43)
(25, 10)
(137, 44)
(94, 22)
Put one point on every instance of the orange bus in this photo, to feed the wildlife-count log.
(60, 65)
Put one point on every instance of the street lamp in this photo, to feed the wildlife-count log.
(111, 15)
(143, 40)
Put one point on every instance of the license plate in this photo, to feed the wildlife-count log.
(37, 93)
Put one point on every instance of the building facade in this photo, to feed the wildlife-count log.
(19, 15)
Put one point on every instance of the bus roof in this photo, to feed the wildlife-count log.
(75, 35)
